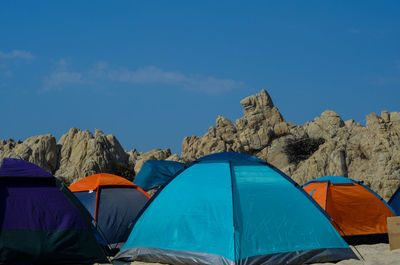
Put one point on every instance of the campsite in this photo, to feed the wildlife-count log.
(233, 219)
(153, 132)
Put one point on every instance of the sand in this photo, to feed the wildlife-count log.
(378, 254)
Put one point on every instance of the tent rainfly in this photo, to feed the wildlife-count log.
(357, 212)
(114, 202)
(233, 209)
(41, 221)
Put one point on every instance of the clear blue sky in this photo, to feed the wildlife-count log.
(153, 72)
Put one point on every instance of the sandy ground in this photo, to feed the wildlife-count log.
(378, 254)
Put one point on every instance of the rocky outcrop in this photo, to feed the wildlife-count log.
(370, 154)
(40, 150)
(156, 154)
(82, 154)
(251, 133)
(325, 146)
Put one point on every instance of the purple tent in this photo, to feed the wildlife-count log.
(41, 222)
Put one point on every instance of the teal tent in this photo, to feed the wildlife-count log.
(233, 209)
(157, 173)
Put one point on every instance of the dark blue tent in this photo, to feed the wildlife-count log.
(233, 209)
(113, 202)
(394, 201)
(155, 173)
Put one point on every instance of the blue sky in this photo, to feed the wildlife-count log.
(153, 72)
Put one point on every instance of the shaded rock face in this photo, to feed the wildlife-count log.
(325, 146)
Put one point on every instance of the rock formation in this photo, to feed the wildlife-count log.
(40, 150)
(82, 154)
(325, 146)
(156, 154)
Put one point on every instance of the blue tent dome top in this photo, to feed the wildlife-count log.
(157, 172)
(229, 156)
(333, 180)
(13, 167)
(223, 195)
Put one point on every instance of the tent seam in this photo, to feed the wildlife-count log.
(233, 212)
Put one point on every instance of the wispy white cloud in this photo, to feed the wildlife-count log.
(101, 71)
(62, 76)
(149, 74)
(56, 79)
(8, 61)
(17, 54)
(155, 75)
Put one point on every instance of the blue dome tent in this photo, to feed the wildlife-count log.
(233, 209)
(156, 173)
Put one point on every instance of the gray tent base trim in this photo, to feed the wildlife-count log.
(178, 257)
(301, 257)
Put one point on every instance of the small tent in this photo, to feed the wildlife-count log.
(228, 209)
(113, 202)
(394, 201)
(41, 222)
(156, 173)
(357, 212)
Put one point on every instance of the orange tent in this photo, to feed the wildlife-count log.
(102, 180)
(113, 202)
(357, 212)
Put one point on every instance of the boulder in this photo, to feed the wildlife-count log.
(40, 150)
(82, 154)
(156, 154)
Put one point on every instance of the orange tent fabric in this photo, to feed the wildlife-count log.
(318, 190)
(102, 179)
(354, 209)
(93, 182)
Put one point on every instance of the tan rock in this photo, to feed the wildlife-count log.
(40, 150)
(251, 133)
(325, 126)
(83, 154)
(156, 154)
(370, 154)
